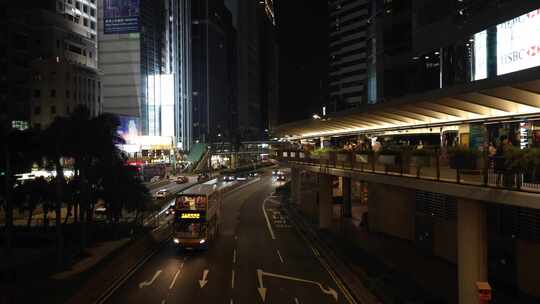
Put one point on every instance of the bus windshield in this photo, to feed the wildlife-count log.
(185, 229)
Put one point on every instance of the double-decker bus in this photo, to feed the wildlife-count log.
(196, 216)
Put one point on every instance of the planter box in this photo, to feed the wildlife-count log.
(324, 155)
(388, 160)
(362, 158)
(421, 161)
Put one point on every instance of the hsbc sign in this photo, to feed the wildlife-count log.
(518, 43)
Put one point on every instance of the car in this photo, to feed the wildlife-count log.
(169, 210)
(275, 172)
(253, 174)
(154, 179)
(181, 180)
(281, 178)
(162, 193)
(241, 177)
(229, 178)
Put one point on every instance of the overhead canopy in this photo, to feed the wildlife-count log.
(478, 103)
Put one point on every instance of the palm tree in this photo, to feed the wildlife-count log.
(91, 140)
(18, 151)
(55, 139)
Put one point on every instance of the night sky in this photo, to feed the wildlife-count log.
(303, 43)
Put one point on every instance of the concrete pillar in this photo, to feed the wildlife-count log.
(346, 192)
(472, 249)
(234, 160)
(325, 201)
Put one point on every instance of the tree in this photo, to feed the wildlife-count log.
(18, 153)
(55, 144)
(91, 140)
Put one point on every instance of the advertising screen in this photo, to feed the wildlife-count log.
(128, 128)
(120, 16)
(480, 55)
(518, 43)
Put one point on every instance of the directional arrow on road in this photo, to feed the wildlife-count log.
(148, 283)
(262, 290)
(204, 280)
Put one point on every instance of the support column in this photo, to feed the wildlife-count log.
(325, 201)
(296, 186)
(472, 249)
(346, 192)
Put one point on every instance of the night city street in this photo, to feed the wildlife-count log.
(232, 263)
(270, 151)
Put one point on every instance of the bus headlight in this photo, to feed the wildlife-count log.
(176, 241)
(202, 241)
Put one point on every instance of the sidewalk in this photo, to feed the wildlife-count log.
(389, 268)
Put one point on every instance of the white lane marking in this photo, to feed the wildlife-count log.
(148, 283)
(234, 257)
(163, 301)
(178, 272)
(262, 289)
(232, 279)
(232, 302)
(268, 221)
(296, 301)
(204, 280)
(280, 257)
(236, 238)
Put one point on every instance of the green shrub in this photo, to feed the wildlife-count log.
(324, 150)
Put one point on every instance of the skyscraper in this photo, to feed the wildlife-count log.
(269, 65)
(347, 70)
(249, 73)
(145, 61)
(51, 60)
(214, 81)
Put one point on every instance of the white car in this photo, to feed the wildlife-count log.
(162, 193)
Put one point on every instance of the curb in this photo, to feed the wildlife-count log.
(338, 264)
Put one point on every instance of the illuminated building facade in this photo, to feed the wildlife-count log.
(146, 74)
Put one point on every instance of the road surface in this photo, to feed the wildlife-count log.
(258, 258)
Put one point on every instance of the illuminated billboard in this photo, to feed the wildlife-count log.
(121, 16)
(128, 128)
(518, 43)
(480, 55)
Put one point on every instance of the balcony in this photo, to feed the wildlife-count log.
(517, 170)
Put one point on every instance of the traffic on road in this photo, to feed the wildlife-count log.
(255, 256)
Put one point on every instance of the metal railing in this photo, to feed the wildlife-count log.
(431, 164)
